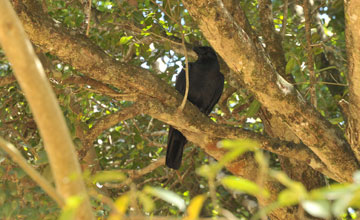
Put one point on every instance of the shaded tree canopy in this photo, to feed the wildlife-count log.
(290, 103)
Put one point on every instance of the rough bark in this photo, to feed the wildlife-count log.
(48, 116)
(352, 8)
(274, 93)
(274, 126)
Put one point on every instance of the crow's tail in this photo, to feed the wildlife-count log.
(175, 147)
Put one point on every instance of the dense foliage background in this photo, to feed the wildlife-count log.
(152, 34)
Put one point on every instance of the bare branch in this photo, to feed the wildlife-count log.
(135, 174)
(353, 53)
(88, 14)
(272, 38)
(310, 61)
(111, 120)
(186, 73)
(7, 80)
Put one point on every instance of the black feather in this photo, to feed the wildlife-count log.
(206, 84)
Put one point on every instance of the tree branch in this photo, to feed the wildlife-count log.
(111, 120)
(6, 80)
(135, 174)
(310, 61)
(353, 53)
(274, 93)
(46, 111)
(272, 38)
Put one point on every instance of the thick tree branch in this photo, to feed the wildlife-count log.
(352, 8)
(46, 111)
(273, 39)
(277, 95)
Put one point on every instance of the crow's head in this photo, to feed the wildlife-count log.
(205, 52)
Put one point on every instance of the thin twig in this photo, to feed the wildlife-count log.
(165, 12)
(88, 18)
(284, 21)
(19, 159)
(135, 174)
(310, 61)
(325, 83)
(186, 73)
(185, 52)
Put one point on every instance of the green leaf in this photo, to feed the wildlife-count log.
(243, 185)
(253, 108)
(288, 198)
(237, 147)
(42, 158)
(290, 65)
(167, 196)
(320, 209)
(246, 144)
(336, 121)
(146, 201)
(297, 187)
(125, 39)
(108, 176)
(208, 171)
(332, 192)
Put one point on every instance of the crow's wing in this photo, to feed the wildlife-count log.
(180, 84)
(216, 96)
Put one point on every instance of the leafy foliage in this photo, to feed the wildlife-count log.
(145, 36)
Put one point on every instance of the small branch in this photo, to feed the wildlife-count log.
(135, 174)
(186, 72)
(284, 21)
(88, 14)
(111, 120)
(6, 80)
(310, 61)
(185, 51)
(167, 14)
(103, 198)
(40, 180)
(227, 93)
(325, 83)
(95, 85)
(271, 37)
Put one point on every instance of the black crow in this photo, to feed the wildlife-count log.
(206, 84)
